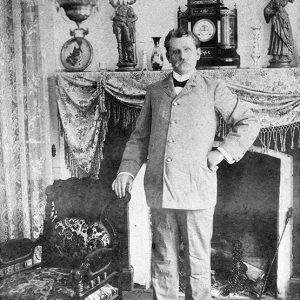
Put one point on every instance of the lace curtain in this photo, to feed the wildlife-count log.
(22, 127)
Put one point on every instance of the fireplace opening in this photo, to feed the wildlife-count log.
(246, 213)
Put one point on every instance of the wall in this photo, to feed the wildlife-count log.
(156, 18)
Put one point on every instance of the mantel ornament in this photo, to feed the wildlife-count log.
(216, 27)
(281, 40)
(256, 47)
(124, 19)
(77, 52)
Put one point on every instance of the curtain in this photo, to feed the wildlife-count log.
(23, 131)
(86, 101)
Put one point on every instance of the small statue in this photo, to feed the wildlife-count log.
(124, 20)
(281, 39)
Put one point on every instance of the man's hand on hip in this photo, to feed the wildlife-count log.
(214, 157)
(121, 184)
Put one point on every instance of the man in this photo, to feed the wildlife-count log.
(175, 133)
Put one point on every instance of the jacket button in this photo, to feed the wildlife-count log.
(175, 103)
(173, 122)
(169, 159)
(171, 141)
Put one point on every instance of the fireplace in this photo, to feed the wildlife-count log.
(273, 95)
(254, 196)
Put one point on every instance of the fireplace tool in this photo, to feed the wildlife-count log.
(287, 219)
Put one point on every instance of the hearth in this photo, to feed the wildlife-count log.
(254, 197)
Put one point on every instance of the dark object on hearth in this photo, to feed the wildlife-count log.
(216, 27)
(124, 19)
(82, 247)
(281, 40)
(238, 280)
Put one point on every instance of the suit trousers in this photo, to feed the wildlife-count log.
(194, 229)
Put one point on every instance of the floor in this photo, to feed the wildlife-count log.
(140, 294)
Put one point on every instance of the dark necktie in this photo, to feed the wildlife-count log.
(179, 83)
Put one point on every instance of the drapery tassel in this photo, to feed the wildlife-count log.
(98, 158)
(293, 129)
(101, 95)
(282, 138)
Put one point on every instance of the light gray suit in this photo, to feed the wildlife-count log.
(174, 133)
(177, 132)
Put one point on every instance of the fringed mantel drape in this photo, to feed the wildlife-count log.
(87, 100)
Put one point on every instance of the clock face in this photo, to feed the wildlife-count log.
(205, 29)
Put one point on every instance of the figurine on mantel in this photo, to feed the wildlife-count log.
(281, 39)
(124, 20)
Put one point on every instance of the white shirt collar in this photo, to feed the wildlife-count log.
(183, 77)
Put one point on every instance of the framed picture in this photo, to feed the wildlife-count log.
(76, 54)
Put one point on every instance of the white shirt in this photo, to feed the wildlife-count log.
(181, 78)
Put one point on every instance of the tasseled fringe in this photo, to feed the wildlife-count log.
(271, 137)
(125, 114)
(277, 136)
(222, 128)
(101, 96)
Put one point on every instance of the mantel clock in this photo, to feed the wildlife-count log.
(216, 27)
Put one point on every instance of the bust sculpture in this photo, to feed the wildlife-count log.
(124, 20)
(281, 39)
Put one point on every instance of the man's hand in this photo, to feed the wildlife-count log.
(121, 184)
(214, 157)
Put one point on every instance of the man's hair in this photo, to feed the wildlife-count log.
(178, 33)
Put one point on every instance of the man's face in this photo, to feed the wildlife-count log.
(183, 54)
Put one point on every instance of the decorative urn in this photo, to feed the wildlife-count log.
(78, 10)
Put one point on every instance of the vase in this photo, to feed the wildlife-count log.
(157, 59)
(255, 47)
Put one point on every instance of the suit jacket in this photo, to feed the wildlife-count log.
(174, 134)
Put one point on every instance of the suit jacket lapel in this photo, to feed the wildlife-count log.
(169, 86)
(194, 82)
